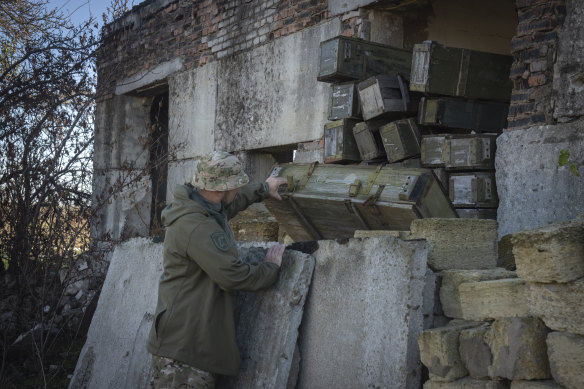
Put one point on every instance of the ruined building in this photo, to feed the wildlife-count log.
(179, 78)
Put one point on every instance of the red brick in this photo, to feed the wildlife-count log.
(537, 80)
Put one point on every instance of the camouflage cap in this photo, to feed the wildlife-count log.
(219, 171)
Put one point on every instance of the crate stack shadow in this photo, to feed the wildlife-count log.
(437, 107)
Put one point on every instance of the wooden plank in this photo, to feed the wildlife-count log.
(480, 116)
(437, 69)
(345, 58)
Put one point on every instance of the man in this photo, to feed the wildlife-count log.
(193, 333)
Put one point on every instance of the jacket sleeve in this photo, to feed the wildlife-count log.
(222, 264)
(247, 195)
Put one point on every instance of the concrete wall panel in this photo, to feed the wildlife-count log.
(533, 189)
(363, 315)
(269, 96)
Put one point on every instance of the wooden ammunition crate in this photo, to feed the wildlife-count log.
(387, 95)
(450, 71)
(344, 101)
(339, 142)
(369, 141)
(401, 139)
(344, 59)
(459, 151)
(473, 190)
(480, 116)
(332, 201)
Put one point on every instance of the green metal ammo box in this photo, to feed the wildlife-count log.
(401, 139)
(369, 141)
(332, 201)
(480, 116)
(344, 101)
(459, 151)
(449, 71)
(344, 59)
(387, 95)
(339, 142)
(473, 190)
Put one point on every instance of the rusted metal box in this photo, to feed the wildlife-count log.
(459, 151)
(344, 59)
(344, 101)
(339, 142)
(332, 201)
(480, 116)
(369, 140)
(437, 69)
(473, 190)
(387, 95)
(401, 139)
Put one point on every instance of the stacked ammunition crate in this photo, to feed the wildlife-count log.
(438, 107)
(466, 100)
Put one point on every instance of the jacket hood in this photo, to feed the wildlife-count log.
(181, 205)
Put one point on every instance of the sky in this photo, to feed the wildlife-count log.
(81, 10)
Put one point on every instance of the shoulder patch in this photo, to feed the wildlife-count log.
(221, 240)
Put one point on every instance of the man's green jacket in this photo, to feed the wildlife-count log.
(193, 321)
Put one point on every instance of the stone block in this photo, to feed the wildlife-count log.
(467, 383)
(506, 259)
(566, 355)
(115, 355)
(554, 253)
(486, 300)
(439, 351)
(363, 315)
(474, 352)
(255, 224)
(453, 247)
(518, 348)
(559, 305)
(451, 279)
(544, 384)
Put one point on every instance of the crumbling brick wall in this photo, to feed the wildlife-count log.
(199, 32)
(534, 48)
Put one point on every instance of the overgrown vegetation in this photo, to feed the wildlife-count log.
(47, 100)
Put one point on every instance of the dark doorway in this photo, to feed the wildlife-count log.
(158, 161)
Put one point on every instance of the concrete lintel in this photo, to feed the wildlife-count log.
(149, 77)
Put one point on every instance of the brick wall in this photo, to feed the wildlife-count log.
(534, 49)
(198, 31)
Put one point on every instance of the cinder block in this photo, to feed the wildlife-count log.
(518, 348)
(545, 384)
(566, 355)
(553, 253)
(439, 351)
(467, 383)
(451, 279)
(458, 243)
(474, 351)
(486, 300)
(559, 305)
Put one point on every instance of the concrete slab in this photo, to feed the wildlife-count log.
(536, 191)
(257, 88)
(363, 315)
(115, 356)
